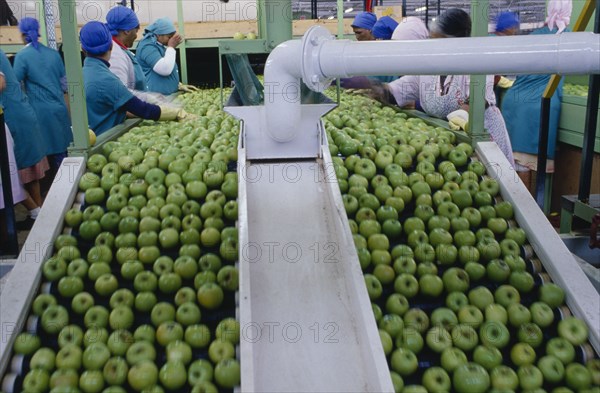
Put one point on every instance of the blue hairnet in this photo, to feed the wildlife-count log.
(121, 18)
(364, 20)
(30, 27)
(161, 26)
(95, 38)
(506, 21)
(384, 28)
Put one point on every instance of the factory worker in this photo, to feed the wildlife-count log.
(521, 104)
(18, 192)
(124, 26)
(410, 28)
(42, 72)
(362, 25)
(29, 149)
(441, 96)
(156, 55)
(384, 28)
(507, 23)
(108, 100)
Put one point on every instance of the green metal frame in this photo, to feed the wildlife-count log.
(72, 52)
(182, 47)
(479, 28)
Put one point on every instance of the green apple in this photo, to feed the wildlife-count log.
(54, 318)
(142, 375)
(115, 371)
(530, 377)
(436, 379)
(438, 339)
(197, 336)
(26, 343)
(488, 357)
(573, 330)
(43, 358)
(552, 294)
(452, 358)
(404, 362)
(522, 354)
(227, 373)
(561, 348)
(470, 378)
(552, 369)
(464, 337)
(36, 381)
(504, 378)
(70, 334)
(495, 334)
(140, 351)
(69, 357)
(506, 295)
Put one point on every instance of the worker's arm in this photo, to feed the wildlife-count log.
(2, 81)
(165, 65)
(405, 90)
(142, 109)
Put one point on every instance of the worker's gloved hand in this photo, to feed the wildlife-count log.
(168, 113)
(505, 83)
(187, 88)
(459, 120)
(356, 82)
(172, 113)
(186, 116)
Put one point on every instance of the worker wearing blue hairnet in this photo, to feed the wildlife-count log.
(156, 54)
(521, 104)
(108, 100)
(384, 28)
(42, 72)
(124, 26)
(507, 23)
(362, 25)
(29, 147)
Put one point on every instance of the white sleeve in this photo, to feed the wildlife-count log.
(165, 65)
(405, 89)
(119, 65)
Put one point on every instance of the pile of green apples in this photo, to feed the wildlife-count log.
(143, 280)
(459, 306)
(575, 90)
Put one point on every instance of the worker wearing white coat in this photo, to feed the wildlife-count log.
(124, 26)
(443, 95)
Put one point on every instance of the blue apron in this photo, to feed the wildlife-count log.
(148, 53)
(521, 107)
(105, 95)
(21, 119)
(41, 71)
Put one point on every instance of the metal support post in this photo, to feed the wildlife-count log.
(49, 24)
(41, 16)
(182, 47)
(275, 21)
(79, 119)
(10, 243)
(591, 120)
(340, 19)
(479, 17)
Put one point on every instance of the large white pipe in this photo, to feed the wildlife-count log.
(568, 53)
(319, 58)
(282, 91)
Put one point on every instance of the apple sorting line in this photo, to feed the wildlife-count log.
(305, 311)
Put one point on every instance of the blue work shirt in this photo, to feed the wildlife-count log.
(148, 53)
(21, 119)
(521, 107)
(105, 95)
(41, 70)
